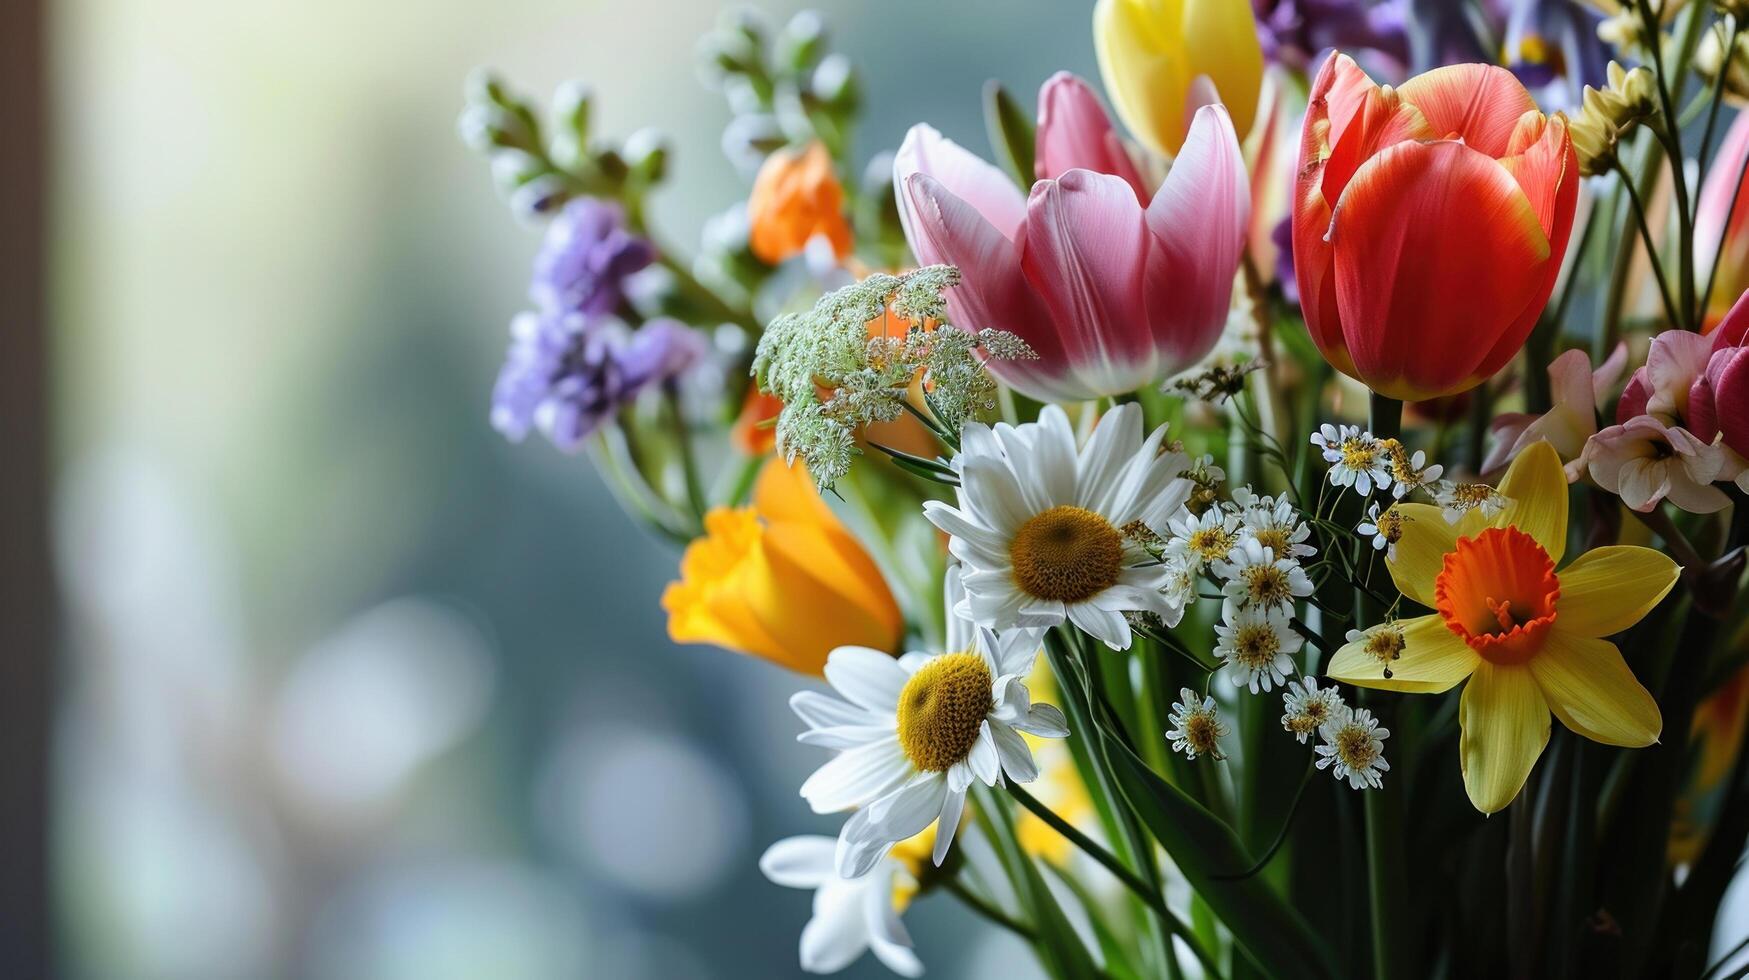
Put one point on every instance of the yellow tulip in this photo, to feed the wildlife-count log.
(1527, 639)
(782, 579)
(1152, 54)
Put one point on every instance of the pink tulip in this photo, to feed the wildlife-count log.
(1718, 400)
(1112, 290)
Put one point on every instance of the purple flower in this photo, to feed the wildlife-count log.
(565, 375)
(1552, 46)
(585, 259)
(1295, 32)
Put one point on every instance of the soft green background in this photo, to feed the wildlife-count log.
(352, 688)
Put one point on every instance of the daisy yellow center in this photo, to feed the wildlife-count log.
(1356, 748)
(942, 709)
(1311, 716)
(1200, 731)
(1211, 543)
(1273, 538)
(1497, 592)
(1066, 554)
(1266, 585)
(1358, 454)
(1255, 646)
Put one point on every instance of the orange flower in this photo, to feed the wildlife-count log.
(795, 197)
(782, 579)
(755, 431)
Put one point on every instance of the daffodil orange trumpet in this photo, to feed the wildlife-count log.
(1429, 223)
(1527, 639)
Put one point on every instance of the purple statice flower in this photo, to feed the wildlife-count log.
(588, 253)
(565, 374)
(1295, 32)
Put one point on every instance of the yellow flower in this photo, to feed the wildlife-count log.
(782, 579)
(1155, 55)
(1527, 638)
(795, 197)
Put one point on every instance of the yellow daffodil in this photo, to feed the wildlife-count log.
(1159, 58)
(1528, 639)
(782, 579)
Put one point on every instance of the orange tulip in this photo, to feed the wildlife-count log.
(795, 197)
(1429, 223)
(782, 579)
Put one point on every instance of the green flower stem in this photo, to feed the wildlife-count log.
(1149, 895)
(1670, 308)
(1718, 95)
(988, 910)
(695, 494)
(1387, 886)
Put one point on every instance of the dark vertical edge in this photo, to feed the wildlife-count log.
(27, 606)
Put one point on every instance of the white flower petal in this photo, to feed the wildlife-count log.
(948, 825)
(858, 776)
(1016, 758)
(867, 677)
(800, 862)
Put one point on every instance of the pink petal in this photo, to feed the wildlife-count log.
(1198, 221)
(1731, 401)
(992, 290)
(1085, 251)
(1634, 397)
(1075, 133)
(1676, 359)
(988, 190)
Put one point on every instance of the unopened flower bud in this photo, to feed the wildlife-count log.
(646, 153)
(1608, 114)
(1710, 58)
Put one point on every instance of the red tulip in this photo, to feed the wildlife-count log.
(1429, 223)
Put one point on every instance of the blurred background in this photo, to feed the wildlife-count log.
(341, 684)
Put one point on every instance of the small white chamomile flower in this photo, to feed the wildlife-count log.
(1196, 726)
(1385, 528)
(1199, 540)
(1383, 643)
(1356, 458)
(1307, 707)
(1458, 499)
(1409, 471)
(1256, 643)
(1253, 576)
(1273, 523)
(1354, 748)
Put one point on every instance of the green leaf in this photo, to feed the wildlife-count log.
(1011, 132)
(1265, 927)
(1059, 947)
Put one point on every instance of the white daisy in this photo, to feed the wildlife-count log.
(1181, 582)
(913, 734)
(1354, 748)
(1409, 471)
(1199, 540)
(1257, 643)
(850, 914)
(1356, 459)
(1383, 642)
(1308, 707)
(1385, 529)
(1273, 523)
(1253, 576)
(1458, 499)
(1048, 532)
(1196, 727)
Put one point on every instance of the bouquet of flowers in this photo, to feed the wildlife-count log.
(1202, 533)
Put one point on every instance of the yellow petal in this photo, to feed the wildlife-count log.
(1141, 58)
(1420, 552)
(1607, 590)
(1592, 691)
(1433, 660)
(1222, 44)
(1505, 726)
(1536, 487)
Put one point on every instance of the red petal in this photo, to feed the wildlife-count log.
(1437, 253)
(1479, 104)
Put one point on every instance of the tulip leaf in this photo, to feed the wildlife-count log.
(1011, 132)
(1269, 931)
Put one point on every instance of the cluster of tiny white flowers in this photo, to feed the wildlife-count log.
(1363, 461)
